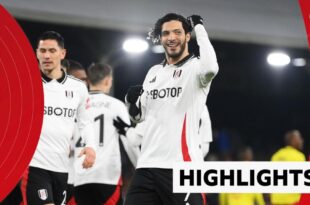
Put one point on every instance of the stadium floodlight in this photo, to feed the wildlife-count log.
(299, 62)
(135, 45)
(158, 49)
(278, 59)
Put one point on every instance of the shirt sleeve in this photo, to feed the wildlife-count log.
(123, 113)
(141, 102)
(208, 66)
(132, 151)
(135, 134)
(84, 119)
(205, 129)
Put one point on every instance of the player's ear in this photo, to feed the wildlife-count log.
(37, 52)
(63, 53)
(188, 36)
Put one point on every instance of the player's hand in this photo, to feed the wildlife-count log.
(120, 125)
(90, 156)
(194, 20)
(133, 93)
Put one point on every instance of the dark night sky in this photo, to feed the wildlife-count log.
(247, 97)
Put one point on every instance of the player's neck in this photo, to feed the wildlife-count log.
(53, 74)
(99, 87)
(172, 61)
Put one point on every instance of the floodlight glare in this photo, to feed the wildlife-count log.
(135, 45)
(278, 59)
(299, 62)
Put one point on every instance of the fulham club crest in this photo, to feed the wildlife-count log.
(177, 73)
(43, 194)
(69, 94)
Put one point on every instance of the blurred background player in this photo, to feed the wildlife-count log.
(246, 154)
(65, 99)
(291, 152)
(170, 102)
(75, 69)
(102, 183)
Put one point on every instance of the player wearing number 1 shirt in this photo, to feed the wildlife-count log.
(102, 183)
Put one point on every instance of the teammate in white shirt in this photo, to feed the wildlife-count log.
(102, 183)
(65, 99)
(75, 69)
(171, 102)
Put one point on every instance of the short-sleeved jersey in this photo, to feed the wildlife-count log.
(65, 100)
(172, 103)
(107, 168)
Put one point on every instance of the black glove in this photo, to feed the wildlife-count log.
(133, 93)
(120, 125)
(194, 20)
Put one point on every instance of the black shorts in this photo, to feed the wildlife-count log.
(98, 194)
(153, 186)
(40, 186)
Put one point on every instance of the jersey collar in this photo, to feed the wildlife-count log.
(181, 62)
(93, 92)
(62, 79)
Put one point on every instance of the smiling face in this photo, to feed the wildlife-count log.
(50, 54)
(174, 40)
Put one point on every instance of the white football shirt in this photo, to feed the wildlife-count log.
(107, 168)
(172, 103)
(64, 100)
(205, 131)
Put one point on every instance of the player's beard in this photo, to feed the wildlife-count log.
(176, 55)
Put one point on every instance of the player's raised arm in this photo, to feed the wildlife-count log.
(208, 60)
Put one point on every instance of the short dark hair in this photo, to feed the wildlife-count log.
(52, 35)
(289, 136)
(74, 65)
(97, 72)
(169, 17)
